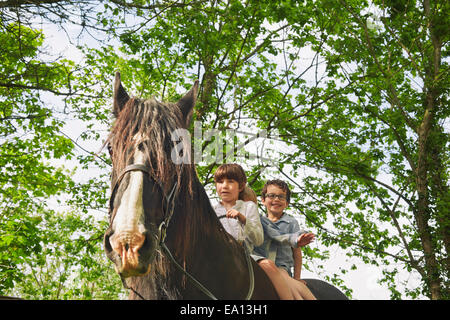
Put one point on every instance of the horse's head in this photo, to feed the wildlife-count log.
(144, 177)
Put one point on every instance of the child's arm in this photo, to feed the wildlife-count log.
(297, 255)
(234, 214)
(251, 225)
(290, 239)
(305, 239)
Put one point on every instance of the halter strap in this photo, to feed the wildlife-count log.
(131, 167)
(169, 199)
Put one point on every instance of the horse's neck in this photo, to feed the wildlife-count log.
(212, 256)
(217, 266)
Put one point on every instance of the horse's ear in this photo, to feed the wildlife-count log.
(121, 97)
(187, 103)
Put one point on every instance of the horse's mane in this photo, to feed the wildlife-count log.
(137, 123)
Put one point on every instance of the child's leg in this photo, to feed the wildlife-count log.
(298, 288)
(278, 280)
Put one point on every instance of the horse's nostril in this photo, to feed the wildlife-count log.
(127, 242)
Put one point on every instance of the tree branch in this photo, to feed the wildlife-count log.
(20, 3)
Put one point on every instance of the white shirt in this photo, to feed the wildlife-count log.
(252, 232)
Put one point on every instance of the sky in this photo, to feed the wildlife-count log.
(363, 280)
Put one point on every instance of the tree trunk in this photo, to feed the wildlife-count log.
(422, 214)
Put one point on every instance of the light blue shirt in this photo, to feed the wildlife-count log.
(279, 237)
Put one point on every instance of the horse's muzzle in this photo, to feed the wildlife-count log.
(124, 250)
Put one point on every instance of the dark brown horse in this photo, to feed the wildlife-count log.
(164, 237)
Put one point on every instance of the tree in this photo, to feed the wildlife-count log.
(33, 86)
(356, 91)
(367, 112)
(28, 143)
(71, 264)
(378, 131)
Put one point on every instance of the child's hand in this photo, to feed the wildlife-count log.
(305, 239)
(234, 214)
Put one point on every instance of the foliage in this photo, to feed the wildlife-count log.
(43, 254)
(70, 263)
(28, 142)
(353, 93)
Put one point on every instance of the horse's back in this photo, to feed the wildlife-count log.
(324, 291)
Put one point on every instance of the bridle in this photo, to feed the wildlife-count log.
(168, 208)
(169, 203)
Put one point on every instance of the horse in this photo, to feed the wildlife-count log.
(164, 237)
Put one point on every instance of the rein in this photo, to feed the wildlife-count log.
(168, 213)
